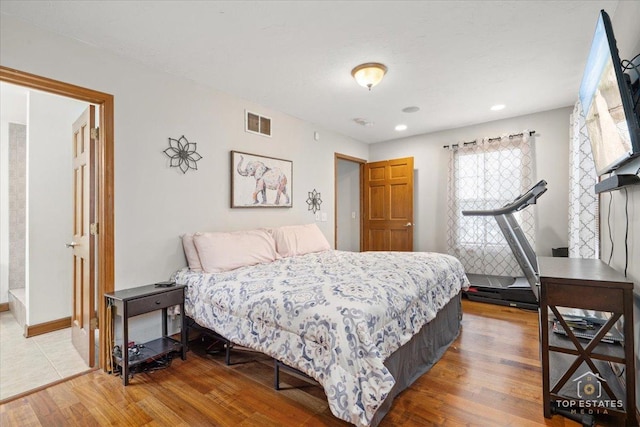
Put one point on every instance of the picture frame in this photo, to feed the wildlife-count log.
(260, 181)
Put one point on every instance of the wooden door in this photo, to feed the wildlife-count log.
(388, 205)
(83, 315)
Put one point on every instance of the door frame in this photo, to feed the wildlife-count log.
(361, 163)
(104, 177)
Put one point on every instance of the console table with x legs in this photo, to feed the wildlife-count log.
(587, 360)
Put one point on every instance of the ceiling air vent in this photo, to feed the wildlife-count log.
(255, 123)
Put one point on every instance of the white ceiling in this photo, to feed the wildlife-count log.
(453, 59)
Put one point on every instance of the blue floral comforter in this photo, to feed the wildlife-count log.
(333, 315)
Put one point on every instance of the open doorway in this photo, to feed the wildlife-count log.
(36, 206)
(104, 213)
(348, 202)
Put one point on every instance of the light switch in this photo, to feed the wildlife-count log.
(353, 215)
(324, 217)
(317, 216)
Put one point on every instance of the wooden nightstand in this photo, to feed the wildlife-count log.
(145, 299)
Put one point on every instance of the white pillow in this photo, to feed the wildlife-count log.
(227, 251)
(190, 252)
(292, 240)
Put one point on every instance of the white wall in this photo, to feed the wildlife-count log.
(50, 206)
(13, 109)
(4, 211)
(551, 147)
(154, 204)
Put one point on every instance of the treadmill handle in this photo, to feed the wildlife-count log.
(519, 203)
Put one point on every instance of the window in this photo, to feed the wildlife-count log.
(486, 176)
(481, 186)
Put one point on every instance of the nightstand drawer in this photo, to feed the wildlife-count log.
(155, 302)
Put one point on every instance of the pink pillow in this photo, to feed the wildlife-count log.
(294, 240)
(227, 251)
(191, 253)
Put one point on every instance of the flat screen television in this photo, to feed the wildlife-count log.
(611, 112)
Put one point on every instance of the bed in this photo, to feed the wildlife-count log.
(364, 325)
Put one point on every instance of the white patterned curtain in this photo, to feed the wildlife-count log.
(482, 176)
(584, 235)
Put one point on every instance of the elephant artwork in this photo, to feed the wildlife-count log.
(268, 174)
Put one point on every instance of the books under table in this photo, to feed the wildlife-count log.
(586, 328)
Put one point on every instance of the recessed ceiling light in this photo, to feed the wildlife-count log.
(498, 107)
(412, 109)
(400, 128)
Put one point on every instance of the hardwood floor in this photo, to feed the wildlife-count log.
(490, 376)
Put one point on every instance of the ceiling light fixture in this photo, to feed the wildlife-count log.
(370, 74)
(498, 107)
(400, 128)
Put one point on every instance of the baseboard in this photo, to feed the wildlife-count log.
(43, 328)
(4, 306)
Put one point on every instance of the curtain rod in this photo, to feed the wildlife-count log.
(497, 138)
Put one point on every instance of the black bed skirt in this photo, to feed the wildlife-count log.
(418, 355)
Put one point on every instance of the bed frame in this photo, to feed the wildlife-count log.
(195, 326)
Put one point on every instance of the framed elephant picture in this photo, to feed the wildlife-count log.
(260, 181)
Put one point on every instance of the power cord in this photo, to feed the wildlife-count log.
(626, 233)
(154, 365)
(629, 65)
(609, 227)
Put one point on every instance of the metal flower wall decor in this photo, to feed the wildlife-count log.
(182, 154)
(314, 201)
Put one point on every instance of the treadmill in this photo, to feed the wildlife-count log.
(521, 292)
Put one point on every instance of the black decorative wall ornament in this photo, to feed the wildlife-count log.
(182, 154)
(314, 201)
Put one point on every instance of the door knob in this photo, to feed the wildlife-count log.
(408, 224)
(71, 245)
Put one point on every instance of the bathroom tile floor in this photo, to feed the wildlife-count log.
(28, 363)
